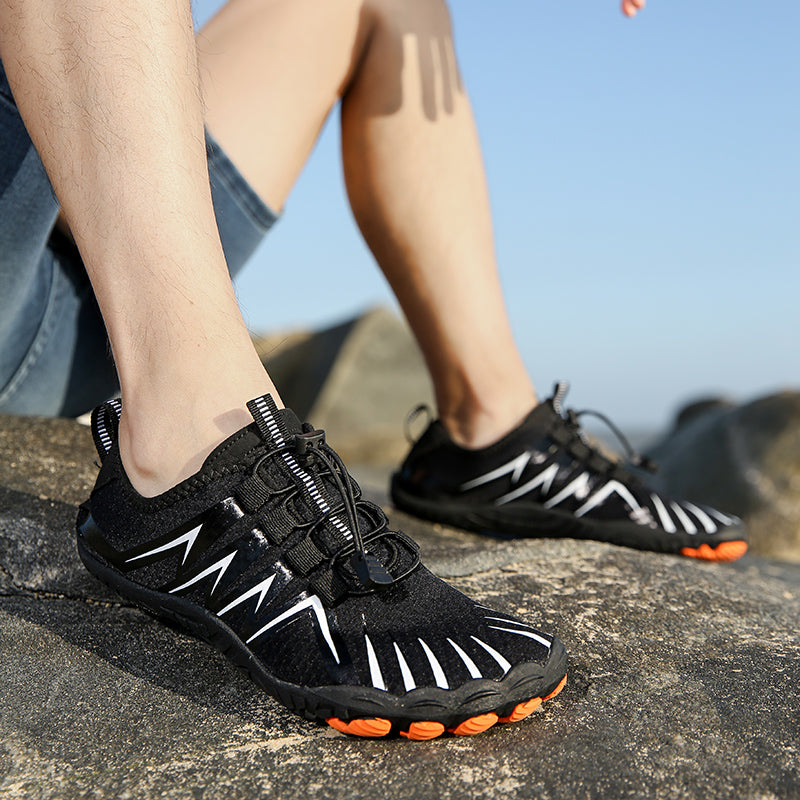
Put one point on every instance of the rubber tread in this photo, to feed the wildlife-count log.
(523, 710)
(473, 725)
(562, 683)
(723, 552)
(425, 730)
(422, 731)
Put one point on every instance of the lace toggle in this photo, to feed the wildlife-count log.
(308, 439)
(370, 571)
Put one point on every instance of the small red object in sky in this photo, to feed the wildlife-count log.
(630, 7)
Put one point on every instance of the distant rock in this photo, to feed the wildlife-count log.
(357, 381)
(741, 459)
(697, 408)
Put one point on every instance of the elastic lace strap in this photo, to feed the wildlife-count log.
(252, 493)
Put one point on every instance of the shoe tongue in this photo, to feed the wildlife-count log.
(289, 422)
(273, 426)
(276, 425)
(544, 416)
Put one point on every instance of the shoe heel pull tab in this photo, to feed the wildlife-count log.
(105, 425)
(422, 408)
(265, 414)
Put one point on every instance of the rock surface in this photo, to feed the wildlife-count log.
(683, 675)
(744, 460)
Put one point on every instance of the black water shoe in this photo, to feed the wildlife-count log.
(545, 479)
(270, 554)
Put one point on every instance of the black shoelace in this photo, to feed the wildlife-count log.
(572, 418)
(310, 448)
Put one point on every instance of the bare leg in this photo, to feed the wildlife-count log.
(272, 71)
(109, 93)
(416, 183)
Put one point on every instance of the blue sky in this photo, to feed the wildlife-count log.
(645, 185)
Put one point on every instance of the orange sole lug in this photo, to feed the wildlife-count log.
(371, 728)
(523, 710)
(723, 552)
(422, 731)
(473, 725)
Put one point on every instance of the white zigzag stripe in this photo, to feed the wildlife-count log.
(601, 495)
(220, 566)
(532, 634)
(575, 487)
(723, 518)
(529, 634)
(683, 518)
(374, 667)
(504, 664)
(705, 520)
(468, 662)
(515, 466)
(187, 538)
(663, 514)
(544, 478)
(438, 672)
(315, 604)
(408, 678)
(260, 589)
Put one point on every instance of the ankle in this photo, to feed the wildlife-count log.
(179, 405)
(165, 436)
(476, 425)
(157, 455)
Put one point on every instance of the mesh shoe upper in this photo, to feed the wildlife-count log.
(270, 537)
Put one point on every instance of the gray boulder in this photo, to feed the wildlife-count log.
(741, 459)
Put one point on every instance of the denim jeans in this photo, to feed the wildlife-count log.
(54, 353)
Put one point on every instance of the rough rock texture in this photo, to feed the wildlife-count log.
(744, 460)
(47, 458)
(357, 381)
(683, 676)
